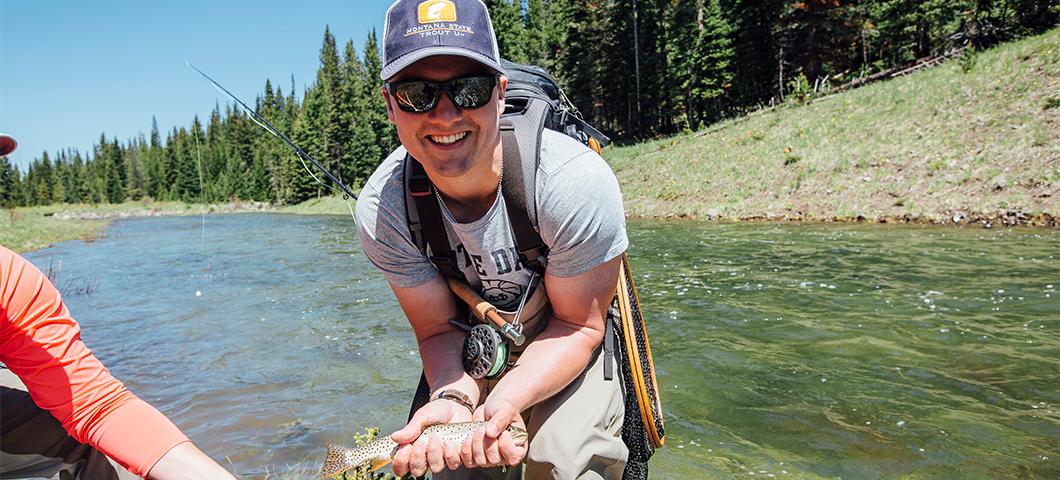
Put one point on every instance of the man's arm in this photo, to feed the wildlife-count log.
(563, 349)
(429, 307)
(551, 362)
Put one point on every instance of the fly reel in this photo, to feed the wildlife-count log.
(485, 353)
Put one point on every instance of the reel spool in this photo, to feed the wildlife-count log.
(485, 353)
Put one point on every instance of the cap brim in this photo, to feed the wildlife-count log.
(7, 144)
(398, 65)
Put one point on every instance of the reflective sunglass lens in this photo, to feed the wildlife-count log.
(416, 96)
(472, 92)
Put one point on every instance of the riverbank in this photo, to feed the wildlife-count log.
(26, 229)
(972, 140)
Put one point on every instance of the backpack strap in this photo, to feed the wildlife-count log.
(517, 186)
(425, 220)
(524, 130)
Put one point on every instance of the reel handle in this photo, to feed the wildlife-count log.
(484, 310)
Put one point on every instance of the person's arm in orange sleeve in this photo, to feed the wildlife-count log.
(41, 344)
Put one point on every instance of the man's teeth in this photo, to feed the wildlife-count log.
(447, 139)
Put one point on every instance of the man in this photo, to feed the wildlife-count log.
(62, 414)
(444, 90)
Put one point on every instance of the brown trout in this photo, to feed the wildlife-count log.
(381, 451)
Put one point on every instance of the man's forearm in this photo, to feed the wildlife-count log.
(441, 364)
(551, 362)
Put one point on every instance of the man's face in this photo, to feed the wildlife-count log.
(447, 140)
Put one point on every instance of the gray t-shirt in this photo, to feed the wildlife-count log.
(580, 218)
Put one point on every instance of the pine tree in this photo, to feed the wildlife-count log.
(545, 34)
(215, 156)
(756, 49)
(103, 172)
(328, 116)
(44, 181)
(116, 177)
(185, 186)
(386, 135)
(712, 54)
(59, 174)
(299, 173)
(363, 152)
(77, 190)
(9, 184)
(508, 24)
(135, 179)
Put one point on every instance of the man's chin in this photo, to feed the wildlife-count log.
(453, 167)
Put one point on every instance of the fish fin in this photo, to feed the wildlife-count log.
(378, 463)
(336, 461)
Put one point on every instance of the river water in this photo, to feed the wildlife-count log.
(783, 351)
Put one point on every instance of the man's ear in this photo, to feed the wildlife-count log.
(503, 87)
(389, 108)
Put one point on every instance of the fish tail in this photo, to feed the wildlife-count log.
(337, 461)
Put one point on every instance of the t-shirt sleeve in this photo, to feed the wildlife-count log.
(384, 230)
(41, 344)
(580, 209)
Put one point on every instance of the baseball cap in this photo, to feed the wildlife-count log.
(7, 144)
(416, 29)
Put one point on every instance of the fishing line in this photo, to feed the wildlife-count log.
(302, 155)
(202, 200)
(202, 190)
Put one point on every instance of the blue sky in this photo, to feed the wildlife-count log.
(70, 70)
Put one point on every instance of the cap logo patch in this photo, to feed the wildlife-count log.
(433, 11)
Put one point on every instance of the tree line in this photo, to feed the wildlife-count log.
(635, 69)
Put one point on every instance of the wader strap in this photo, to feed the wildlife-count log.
(513, 187)
(609, 346)
(430, 224)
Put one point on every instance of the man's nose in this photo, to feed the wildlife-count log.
(445, 110)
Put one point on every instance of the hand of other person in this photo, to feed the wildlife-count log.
(493, 445)
(417, 452)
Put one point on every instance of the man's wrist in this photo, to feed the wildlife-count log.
(454, 395)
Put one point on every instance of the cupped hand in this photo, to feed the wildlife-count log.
(493, 445)
(417, 453)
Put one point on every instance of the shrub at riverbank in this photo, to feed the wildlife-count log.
(973, 139)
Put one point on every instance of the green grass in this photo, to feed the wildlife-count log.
(976, 138)
(333, 205)
(25, 231)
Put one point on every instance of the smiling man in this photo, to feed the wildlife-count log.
(445, 90)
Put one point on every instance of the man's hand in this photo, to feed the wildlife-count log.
(418, 452)
(493, 446)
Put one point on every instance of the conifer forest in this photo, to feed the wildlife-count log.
(635, 69)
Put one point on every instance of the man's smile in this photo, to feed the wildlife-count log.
(448, 139)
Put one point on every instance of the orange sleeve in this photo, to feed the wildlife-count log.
(41, 343)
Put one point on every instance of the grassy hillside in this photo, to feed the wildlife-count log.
(974, 138)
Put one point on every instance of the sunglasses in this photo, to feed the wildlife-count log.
(419, 96)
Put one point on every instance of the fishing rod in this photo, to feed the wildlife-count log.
(278, 134)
